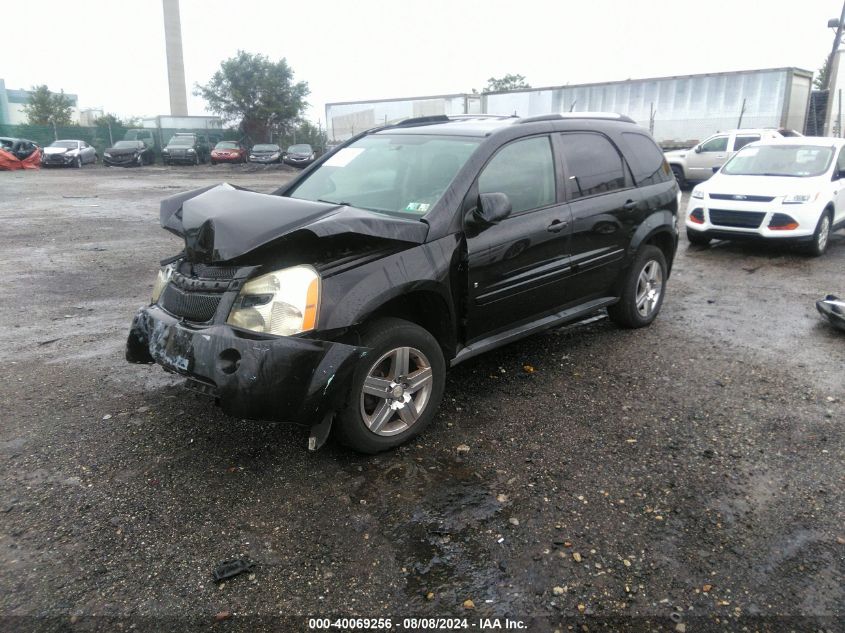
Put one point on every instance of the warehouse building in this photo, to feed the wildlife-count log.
(677, 109)
(13, 101)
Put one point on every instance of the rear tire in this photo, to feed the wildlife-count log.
(404, 376)
(642, 291)
(821, 236)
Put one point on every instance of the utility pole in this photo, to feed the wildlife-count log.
(741, 112)
(837, 40)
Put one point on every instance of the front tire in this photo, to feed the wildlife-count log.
(642, 290)
(395, 390)
(821, 236)
(78, 162)
(695, 239)
(679, 175)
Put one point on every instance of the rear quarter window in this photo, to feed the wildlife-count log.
(647, 162)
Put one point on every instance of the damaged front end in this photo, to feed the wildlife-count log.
(237, 312)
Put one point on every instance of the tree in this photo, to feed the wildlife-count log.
(508, 82)
(258, 94)
(307, 132)
(820, 79)
(48, 108)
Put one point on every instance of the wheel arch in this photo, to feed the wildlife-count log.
(425, 307)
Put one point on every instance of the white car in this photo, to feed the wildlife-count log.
(790, 190)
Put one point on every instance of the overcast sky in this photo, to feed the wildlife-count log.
(111, 53)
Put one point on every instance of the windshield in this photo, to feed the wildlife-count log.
(226, 145)
(65, 144)
(127, 144)
(400, 173)
(265, 148)
(182, 141)
(300, 149)
(798, 161)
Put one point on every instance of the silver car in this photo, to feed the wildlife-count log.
(68, 153)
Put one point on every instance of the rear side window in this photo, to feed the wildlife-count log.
(525, 171)
(646, 160)
(593, 165)
(744, 139)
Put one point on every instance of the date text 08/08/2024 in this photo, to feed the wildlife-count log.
(415, 624)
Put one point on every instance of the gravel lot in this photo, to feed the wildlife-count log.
(686, 476)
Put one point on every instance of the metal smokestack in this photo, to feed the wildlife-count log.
(175, 64)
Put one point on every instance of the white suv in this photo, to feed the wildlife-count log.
(792, 189)
(697, 163)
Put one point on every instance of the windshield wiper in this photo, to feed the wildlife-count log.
(787, 175)
(343, 204)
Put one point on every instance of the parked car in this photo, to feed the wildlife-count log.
(346, 294)
(186, 148)
(790, 190)
(697, 164)
(300, 155)
(265, 153)
(129, 153)
(19, 153)
(228, 152)
(68, 154)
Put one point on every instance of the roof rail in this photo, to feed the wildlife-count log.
(482, 116)
(422, 120)
(612, 116)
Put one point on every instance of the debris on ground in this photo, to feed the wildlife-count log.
(231, 568)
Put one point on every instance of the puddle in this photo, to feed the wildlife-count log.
(442, 515)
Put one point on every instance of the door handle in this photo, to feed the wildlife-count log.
(557, 225)
(630, 205)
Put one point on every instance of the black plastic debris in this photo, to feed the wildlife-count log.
(231, 568)
(833, 308)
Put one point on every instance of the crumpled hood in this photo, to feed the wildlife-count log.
(57, 150)
(223, 222)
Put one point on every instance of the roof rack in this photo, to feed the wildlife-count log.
(422, 120)
(613, 116)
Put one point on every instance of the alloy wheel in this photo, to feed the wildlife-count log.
(649, 288)
(396, 391)
(824, 233)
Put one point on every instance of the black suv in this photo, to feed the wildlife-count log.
(344, 296)
(187, 148)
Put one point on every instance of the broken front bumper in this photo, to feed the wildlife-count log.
(282, 378)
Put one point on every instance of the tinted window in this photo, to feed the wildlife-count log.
(593, 165)
(742, 140)
(840, 164)
(718, 144)
(646, 160)
(525, 171)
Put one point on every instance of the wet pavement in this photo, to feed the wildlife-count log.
(685, 476)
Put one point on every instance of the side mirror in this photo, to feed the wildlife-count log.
(698, 149)
(492, 208)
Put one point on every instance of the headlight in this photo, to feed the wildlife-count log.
(191, 150)
(697, 194)
(800, 198)
(162, 279)
(106, 154)
(276, 155)
(283, 302)
(311, 157)
(165, 151)
(252, 155)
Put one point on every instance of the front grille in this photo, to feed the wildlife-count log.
(195, 290)
(740, 198)
(194, 306)
(737, 219)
